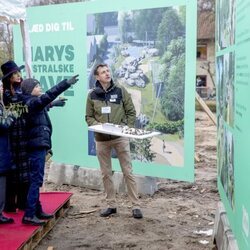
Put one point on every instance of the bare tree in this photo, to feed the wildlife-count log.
(6, 36)
(48, 2)
(207, 66)
(6, 40)
(206, 5)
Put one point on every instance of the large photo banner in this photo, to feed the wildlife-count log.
(145, 45)
(233, 87)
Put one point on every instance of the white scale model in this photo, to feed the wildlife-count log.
(125, 131)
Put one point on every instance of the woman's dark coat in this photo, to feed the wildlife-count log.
(5, 153)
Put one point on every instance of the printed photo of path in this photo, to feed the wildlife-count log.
(145, 50)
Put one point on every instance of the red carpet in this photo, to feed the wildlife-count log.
(12, 236)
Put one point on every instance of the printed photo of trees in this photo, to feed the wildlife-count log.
(145, 50)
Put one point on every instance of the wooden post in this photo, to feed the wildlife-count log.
(196, 157)
(205, 108)
(209, 113)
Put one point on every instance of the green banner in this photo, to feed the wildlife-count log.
(144, 43)
(233, 86)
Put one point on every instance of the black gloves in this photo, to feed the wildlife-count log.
(73, 80)
(58, 103)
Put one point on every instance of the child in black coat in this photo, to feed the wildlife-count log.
(39, 131)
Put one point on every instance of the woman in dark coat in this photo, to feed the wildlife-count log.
(17, 184)
(5, 162)
(18, 180)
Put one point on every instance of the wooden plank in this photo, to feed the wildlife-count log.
(196, 157)
(45, 229)
(205, 108)
(209, 113)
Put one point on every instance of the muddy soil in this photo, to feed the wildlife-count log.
(179, 216)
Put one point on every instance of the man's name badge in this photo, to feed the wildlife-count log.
(106, 110)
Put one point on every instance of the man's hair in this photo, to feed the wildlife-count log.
(100, 65)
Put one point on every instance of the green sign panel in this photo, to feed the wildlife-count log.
(144, 43)
(233, 86)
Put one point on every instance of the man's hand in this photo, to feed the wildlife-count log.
(73, 80)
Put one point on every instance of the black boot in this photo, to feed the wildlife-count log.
(44, 216)
(34, 221)
(40, 213)
(137, 214)
(5, 220)
(107, 212)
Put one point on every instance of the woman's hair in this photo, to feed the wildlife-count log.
(6, 83)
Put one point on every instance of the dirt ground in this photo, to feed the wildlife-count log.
(180, 216)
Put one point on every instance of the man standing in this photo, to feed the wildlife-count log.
(111, 103)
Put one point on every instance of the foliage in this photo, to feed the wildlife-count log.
(146, 22)
(10, 112)
(168, 127)
(125, 26)
(140, 150)
(183, 14)
(99, 24)
(206, 5)
(169, 29)
(173, 101)
(173, 77)
(103, 44)
(210, 103)
(110, 18)
(174, 52)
